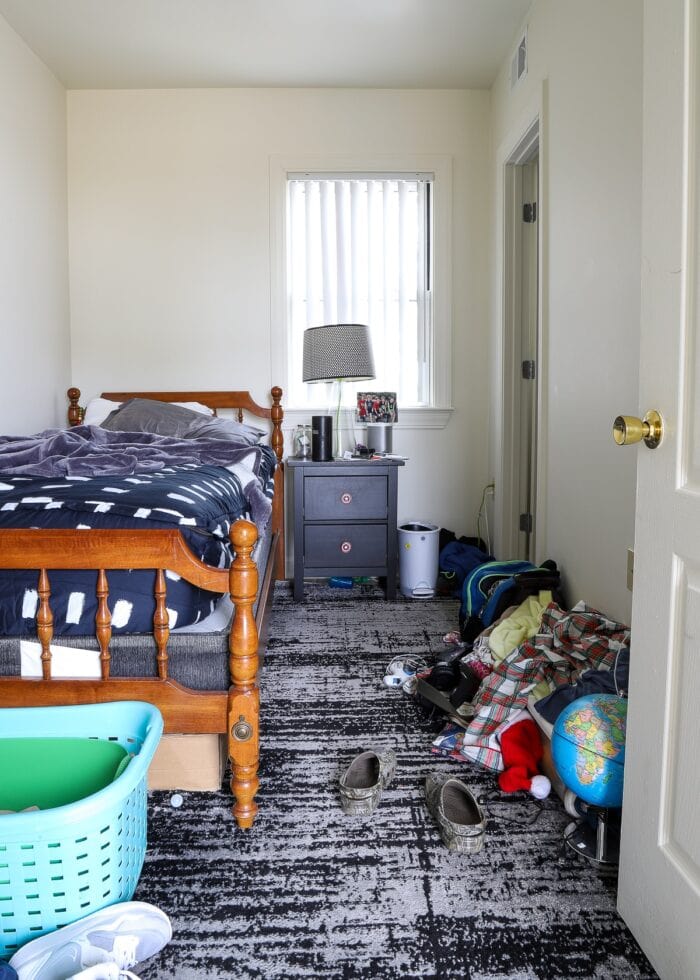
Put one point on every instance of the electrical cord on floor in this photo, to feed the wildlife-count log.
(483, 515)
(495, 798)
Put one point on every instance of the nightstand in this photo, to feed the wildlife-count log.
(345, 520)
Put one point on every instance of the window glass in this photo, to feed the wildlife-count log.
(359, 250)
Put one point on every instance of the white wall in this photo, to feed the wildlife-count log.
(34, 323)
(588, 56)
(169, 214)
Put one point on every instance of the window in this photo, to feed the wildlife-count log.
(359, 251)
(367, 243)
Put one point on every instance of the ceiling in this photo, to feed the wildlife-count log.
(269, 43)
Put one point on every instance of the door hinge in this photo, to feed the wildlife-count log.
(530, 212)
(528, 369)
(526, 523)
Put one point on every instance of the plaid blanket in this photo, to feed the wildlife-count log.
(567, 644)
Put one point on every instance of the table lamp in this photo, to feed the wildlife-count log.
(338, 352)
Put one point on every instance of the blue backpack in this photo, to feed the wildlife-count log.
(457, 559)
(493, 586)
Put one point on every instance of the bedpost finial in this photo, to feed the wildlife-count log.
(277, 414)
(75, 412)
(244, 534)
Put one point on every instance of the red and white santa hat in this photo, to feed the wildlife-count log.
(521, 748)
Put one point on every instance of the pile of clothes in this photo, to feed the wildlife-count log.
(519, 658)
(537, 656)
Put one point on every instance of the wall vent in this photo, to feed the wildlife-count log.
(518, 66)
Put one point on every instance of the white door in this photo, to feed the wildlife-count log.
(659, 890)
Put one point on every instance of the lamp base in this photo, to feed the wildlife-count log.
(337, 433)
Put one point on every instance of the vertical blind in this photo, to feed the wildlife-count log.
(358, 252)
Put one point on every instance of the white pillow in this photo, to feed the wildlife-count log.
(98, 409)
(196, 407)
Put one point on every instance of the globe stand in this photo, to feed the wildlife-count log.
(596, 836)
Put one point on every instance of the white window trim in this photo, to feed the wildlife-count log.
(438, 413)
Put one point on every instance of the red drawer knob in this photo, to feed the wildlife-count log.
(346, 547)
(346, 498)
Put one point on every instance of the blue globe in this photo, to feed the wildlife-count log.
(588, 748)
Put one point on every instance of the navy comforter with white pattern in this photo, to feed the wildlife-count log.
(168, 487)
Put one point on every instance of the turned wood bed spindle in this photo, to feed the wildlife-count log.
(44, 623)
(103, 623)
(161, 625)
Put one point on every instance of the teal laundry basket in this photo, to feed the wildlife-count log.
(62, 863)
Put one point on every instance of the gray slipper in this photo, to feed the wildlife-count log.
(362, 783)
(459, 817)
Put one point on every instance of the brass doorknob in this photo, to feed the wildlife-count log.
(628, 429)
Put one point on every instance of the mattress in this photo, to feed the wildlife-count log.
(197, 654)
(201, 501)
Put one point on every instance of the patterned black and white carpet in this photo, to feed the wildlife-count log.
(309, 892)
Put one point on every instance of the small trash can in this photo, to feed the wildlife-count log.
(418, 559)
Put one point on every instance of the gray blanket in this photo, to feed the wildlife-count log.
(88, 450)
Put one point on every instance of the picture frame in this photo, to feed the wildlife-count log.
(376, 406)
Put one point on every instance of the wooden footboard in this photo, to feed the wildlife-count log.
(234, 712)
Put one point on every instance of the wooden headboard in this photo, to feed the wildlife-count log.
(239, 402)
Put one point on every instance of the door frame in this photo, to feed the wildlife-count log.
(526, 139)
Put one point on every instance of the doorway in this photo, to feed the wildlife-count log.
(521, 349)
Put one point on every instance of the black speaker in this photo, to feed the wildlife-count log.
(321, 438)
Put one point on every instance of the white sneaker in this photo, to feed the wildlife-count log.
(102, 946)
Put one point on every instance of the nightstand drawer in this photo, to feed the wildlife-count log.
(345, 546)
(345, 498)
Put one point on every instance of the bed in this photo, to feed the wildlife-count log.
(198, 664)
